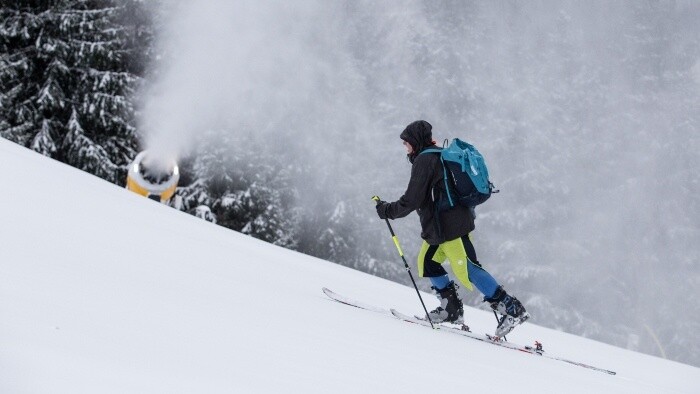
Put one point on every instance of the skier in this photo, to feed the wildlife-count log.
(446, 236)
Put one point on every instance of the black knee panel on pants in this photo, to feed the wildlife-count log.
(432, 269)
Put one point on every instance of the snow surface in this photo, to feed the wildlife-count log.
(104, 291)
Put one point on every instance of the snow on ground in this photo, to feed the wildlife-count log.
(104, 291)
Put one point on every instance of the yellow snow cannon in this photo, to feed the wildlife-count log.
(153, 179)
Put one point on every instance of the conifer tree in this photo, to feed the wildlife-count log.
(66, 78)
(245, 193)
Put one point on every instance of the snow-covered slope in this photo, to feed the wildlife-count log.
(104, 291)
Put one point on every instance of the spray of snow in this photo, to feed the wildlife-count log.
(263, 71)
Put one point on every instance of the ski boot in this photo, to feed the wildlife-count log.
(512, 311)
(451, 309)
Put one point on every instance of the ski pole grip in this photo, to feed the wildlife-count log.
(391, 230)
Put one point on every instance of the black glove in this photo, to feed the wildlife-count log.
(382, 208)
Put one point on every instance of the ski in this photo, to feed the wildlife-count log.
(344, 300)
(463, 330)
(537, 349)
(461, 326)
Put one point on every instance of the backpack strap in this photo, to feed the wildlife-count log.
(432, 150)
(444, 172)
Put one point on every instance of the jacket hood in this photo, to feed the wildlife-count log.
(420, 135)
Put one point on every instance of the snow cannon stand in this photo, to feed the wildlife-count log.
(152, 179)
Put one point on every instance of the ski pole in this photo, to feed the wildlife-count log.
(398, 247)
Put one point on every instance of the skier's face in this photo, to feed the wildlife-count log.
(409, 148)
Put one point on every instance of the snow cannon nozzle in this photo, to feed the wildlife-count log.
(153, 177)
(156, 171)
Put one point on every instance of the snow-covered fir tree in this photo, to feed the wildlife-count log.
(67, 75)
(246, 191)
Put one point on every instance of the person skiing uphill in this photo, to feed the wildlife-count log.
(446, 236)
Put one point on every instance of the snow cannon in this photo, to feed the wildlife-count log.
(153, 179)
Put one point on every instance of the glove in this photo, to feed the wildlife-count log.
(382, 207)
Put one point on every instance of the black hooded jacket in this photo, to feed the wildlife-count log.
(425, 187)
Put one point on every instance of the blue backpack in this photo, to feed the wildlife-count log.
(465, 174)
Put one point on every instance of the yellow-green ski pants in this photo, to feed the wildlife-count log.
(451, 251)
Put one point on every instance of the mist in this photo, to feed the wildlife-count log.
(265, 71)
(587, 114)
